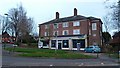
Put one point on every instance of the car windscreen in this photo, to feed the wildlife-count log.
(90, 47)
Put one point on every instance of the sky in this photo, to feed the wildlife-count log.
(44, 10)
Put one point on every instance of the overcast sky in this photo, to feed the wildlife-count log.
(44, 10)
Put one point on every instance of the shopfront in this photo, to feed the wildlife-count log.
(68, 43)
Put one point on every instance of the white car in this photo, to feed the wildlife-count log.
(40, 44)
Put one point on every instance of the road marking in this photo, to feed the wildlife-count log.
(102, 63)
(81, 64)
(51, 65)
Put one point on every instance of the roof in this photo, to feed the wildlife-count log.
(5, 34)
(116, 34)
(70, 18)
(92, 18)
(116, 39)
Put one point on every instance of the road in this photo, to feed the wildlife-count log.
(11, 60)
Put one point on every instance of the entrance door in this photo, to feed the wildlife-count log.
(59, 45)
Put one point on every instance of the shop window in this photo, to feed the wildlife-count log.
(65, 44)
(81, 41)
(53, 43)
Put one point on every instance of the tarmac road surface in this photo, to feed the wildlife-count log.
(9, 60)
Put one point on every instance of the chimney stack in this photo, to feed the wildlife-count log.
(75, 12)
(57, 15)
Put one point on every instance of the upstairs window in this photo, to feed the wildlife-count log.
(55, 33)
(46, 34)
(46, 26)
(55, 25)
(94, 35)
(94, 26)
(65, 32)
(76, 23)
(65, 24)
(76, 31)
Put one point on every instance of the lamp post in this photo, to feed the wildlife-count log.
(55, 26)
(6, 20)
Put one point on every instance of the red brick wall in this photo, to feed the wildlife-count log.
(42, 30)
(84, 29)
(70, 28)
(96, 38)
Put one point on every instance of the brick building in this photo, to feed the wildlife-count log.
(70, 31)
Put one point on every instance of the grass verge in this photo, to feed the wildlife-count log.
(113, 55)
(48, 53)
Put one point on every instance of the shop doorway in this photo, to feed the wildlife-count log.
(59, 45)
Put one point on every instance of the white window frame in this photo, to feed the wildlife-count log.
(76, 31)
(63, 33)
(94, 35)
(54, 25)
(94, 26)
(89, 32)
(76, 23)
(65, 24)
(45, 34)
(54, 33)
(46, 26)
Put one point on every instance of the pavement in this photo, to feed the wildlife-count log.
(10, 59)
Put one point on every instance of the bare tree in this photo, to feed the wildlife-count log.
(107, 22)
(5, 24)
(112, 19)
(19, 22)
(115, 14)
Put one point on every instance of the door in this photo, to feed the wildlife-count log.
(59, 45)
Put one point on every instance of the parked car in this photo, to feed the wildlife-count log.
(40, 44)
(92, 49)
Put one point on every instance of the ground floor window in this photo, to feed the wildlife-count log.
(53, 43)
(81, 41)
(65, 43)
(45, 42)
(74, 43)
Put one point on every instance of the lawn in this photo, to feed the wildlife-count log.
(48, 53)
(114, 55)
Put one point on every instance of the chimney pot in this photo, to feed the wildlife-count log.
(75, 12)
(57, 15)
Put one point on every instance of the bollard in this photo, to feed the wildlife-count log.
(97, 54)
(14, 47)
(4, 45)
